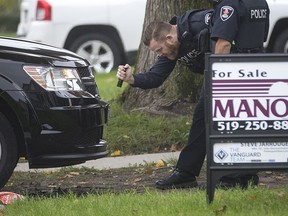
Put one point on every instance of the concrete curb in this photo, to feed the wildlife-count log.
(110, 162)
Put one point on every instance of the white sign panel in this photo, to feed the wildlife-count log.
(249, 96)
(251, 152)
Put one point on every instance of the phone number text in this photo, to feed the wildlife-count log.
(251, 125)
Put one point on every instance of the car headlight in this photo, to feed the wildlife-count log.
(55, 79)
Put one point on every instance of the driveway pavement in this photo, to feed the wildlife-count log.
(111, 162)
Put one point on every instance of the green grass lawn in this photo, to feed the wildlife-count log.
(251, 202)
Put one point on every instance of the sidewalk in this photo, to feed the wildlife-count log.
(111, 162)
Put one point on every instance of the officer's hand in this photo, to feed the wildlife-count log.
(125, 73)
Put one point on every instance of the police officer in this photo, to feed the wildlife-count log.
(174, 42)
(239, 26)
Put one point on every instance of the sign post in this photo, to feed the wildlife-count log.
(246, 105)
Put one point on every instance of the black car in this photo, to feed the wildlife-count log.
(50, 109)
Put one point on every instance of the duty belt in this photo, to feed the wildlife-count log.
(247, 50)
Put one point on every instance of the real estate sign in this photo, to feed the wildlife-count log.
(246, 113)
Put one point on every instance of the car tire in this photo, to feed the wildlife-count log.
(101, 51)
(8, 150)
(281, 43)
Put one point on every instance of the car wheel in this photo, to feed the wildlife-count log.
(281, 43)
(102, 52)
(8, 150)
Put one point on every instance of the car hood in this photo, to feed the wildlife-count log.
(34, 51)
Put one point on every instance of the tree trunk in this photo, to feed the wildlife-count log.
(182, 86)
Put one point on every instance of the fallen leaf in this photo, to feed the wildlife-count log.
(221, 210)
(126, 137)
(173, 148)
(116, 153)
(68, 176)
(137, 180)
(160, 163)
(279, 177)
(74, 173)
(253, 197)
(157, 149)
(281, 194)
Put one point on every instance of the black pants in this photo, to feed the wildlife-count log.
(193, 154)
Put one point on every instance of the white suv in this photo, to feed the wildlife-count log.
(108, 32)
(105, 32)
(278, 32)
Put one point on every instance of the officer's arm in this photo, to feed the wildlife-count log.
(156, 75)
(222, 46)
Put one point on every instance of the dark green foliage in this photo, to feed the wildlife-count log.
(9, 16)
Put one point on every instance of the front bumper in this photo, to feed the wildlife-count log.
(67, 135)
(58, 160)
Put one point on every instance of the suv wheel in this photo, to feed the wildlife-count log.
(281, 43)
(8, 151)
(102, 53)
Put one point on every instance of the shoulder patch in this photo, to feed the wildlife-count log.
(226, 12)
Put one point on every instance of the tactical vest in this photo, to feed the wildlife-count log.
(251, 32)
(193, 47)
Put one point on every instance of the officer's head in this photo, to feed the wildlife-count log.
(161, 38)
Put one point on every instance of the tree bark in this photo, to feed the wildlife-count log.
(182, 86)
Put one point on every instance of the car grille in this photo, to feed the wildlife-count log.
(91, 138)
